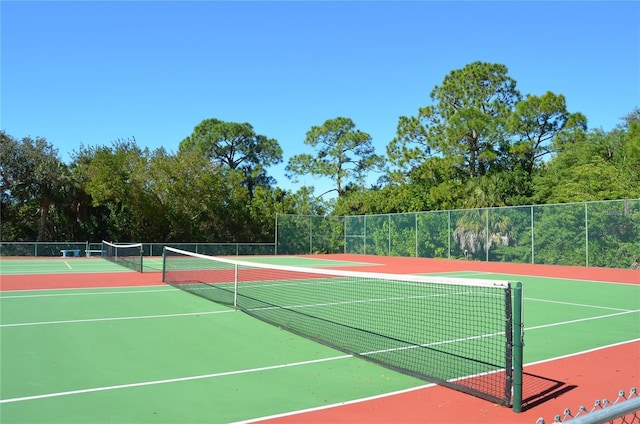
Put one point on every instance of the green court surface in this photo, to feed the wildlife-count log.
(57, 266)
(159, 355)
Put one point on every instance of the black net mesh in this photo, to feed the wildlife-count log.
(455, 332)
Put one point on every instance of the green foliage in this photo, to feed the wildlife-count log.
(235, 146)
(592, 165)
(559, 234)
(466, 122)
(534, 124)
(388, 199)
(377, 235)
(433, 235)
(403, 235)
(33, 179)
(190, 191)
(479, 144)
(614, 233)
(232, 144)
(344, 154)
(115, 179)
(510, 234)
(306, 234)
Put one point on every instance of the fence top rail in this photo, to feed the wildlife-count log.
(464, 209)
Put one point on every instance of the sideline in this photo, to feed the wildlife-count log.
(171, 380)
(73, 321)
(23, 296)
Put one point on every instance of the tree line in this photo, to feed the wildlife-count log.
(479, 143)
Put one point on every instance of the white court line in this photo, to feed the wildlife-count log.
(595, 349)
(73, 321)
(620, 311)
(172, 380)
(155, 261)
(71, 289)
(574, 321)
(576, 304)
(367, 353)
(518, 277)
(171, 289)
(460, 274)
(86, 294)
(335, 405)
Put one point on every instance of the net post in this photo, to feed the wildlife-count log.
(141, 258)
(518, 344)
(164, 261)
(275, 237)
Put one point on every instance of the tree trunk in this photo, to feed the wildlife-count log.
(45, 202)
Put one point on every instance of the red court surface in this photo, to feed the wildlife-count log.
(584, 378)
(405, 265)
(74, 281)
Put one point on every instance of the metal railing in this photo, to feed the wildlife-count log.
(625, 407)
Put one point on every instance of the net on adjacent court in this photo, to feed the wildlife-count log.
(127, 255)
(455, 332)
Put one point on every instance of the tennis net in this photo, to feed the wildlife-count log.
(127, 255)
(456, 332)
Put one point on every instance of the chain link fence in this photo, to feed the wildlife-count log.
(85, 248)
(598, 234)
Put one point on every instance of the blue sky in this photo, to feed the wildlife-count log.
(88, 72)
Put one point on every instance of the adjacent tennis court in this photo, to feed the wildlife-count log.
(128, 349)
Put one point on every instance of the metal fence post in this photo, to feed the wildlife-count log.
(415, 218)
(389, 238)
(532, 239)
(488, 241)
(586, 234)
(275, 237)
(449, 235)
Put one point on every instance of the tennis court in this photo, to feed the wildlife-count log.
(118, 346)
